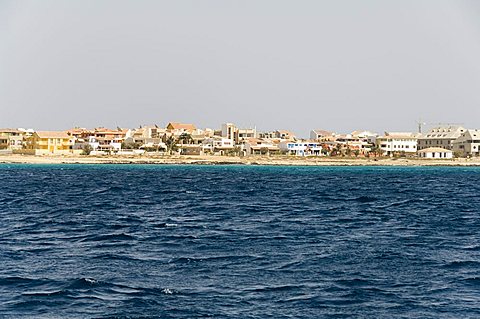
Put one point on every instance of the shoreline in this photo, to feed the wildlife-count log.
(235, 160)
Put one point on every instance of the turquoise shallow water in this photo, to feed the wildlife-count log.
(96, 241)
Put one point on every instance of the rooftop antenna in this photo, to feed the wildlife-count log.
(420, 123)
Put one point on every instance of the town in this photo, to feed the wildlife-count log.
(440, 142)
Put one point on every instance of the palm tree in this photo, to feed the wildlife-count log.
(171, 144)
(325, 149)
(185, 138)
(348, 151)
(377, 151)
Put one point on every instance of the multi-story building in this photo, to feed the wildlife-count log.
(49, 142)
(468, 143)
(237, 135)
(176, 128)
(107, 140)
(397, 143)
(301, 148)
(321, 135)
(246, 133)
(278, 134)
(230, 131)
(11, 139)
(440, 136)
(217, 144)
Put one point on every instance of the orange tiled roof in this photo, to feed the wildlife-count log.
(181, 126)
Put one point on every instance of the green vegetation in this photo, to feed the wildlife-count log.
(87, 149)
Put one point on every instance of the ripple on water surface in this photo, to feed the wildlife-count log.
(239, 242)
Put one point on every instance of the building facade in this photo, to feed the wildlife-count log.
(49, 142)
(11, 139)
(435, 153)
(468, 143)
(397, 143)
(441, 136)
(301, 148)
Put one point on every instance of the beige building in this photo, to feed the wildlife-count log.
(237, 135)
(179, 128)
(322, 135)
(259, 146)
(441, 136)
(468, 143)
(11, 139)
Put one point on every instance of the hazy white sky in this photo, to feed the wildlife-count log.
(338, 65)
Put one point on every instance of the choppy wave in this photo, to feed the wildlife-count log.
(239, 242)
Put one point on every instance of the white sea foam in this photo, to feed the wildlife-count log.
(167, 291)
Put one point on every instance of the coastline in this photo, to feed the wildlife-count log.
(235, 160)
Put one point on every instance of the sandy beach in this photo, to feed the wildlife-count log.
(226, 160)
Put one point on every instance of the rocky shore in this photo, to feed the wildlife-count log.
(231, 160)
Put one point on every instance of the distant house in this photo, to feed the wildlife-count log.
(237, 135)
(11, 139)
(49, 142)
(301, 148)
(145, 137)
(246, 133)
(107, 140)
(321, 135)
(259, 146)
(278, 135)
(230, 131)
(441, 136)
(217, 144)
(284, 135)
(353, 142)
(398, 142)
(435, 152)
(468, 143)
(179, 128)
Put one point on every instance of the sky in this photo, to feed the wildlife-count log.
(339, 65)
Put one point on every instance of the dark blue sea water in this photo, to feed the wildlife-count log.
(239, 242)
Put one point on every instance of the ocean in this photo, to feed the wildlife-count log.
(167, 241)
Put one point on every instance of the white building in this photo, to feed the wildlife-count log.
(230, 131)
(301, 148)
(397, 142)
(217, 144)
(436, 153)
